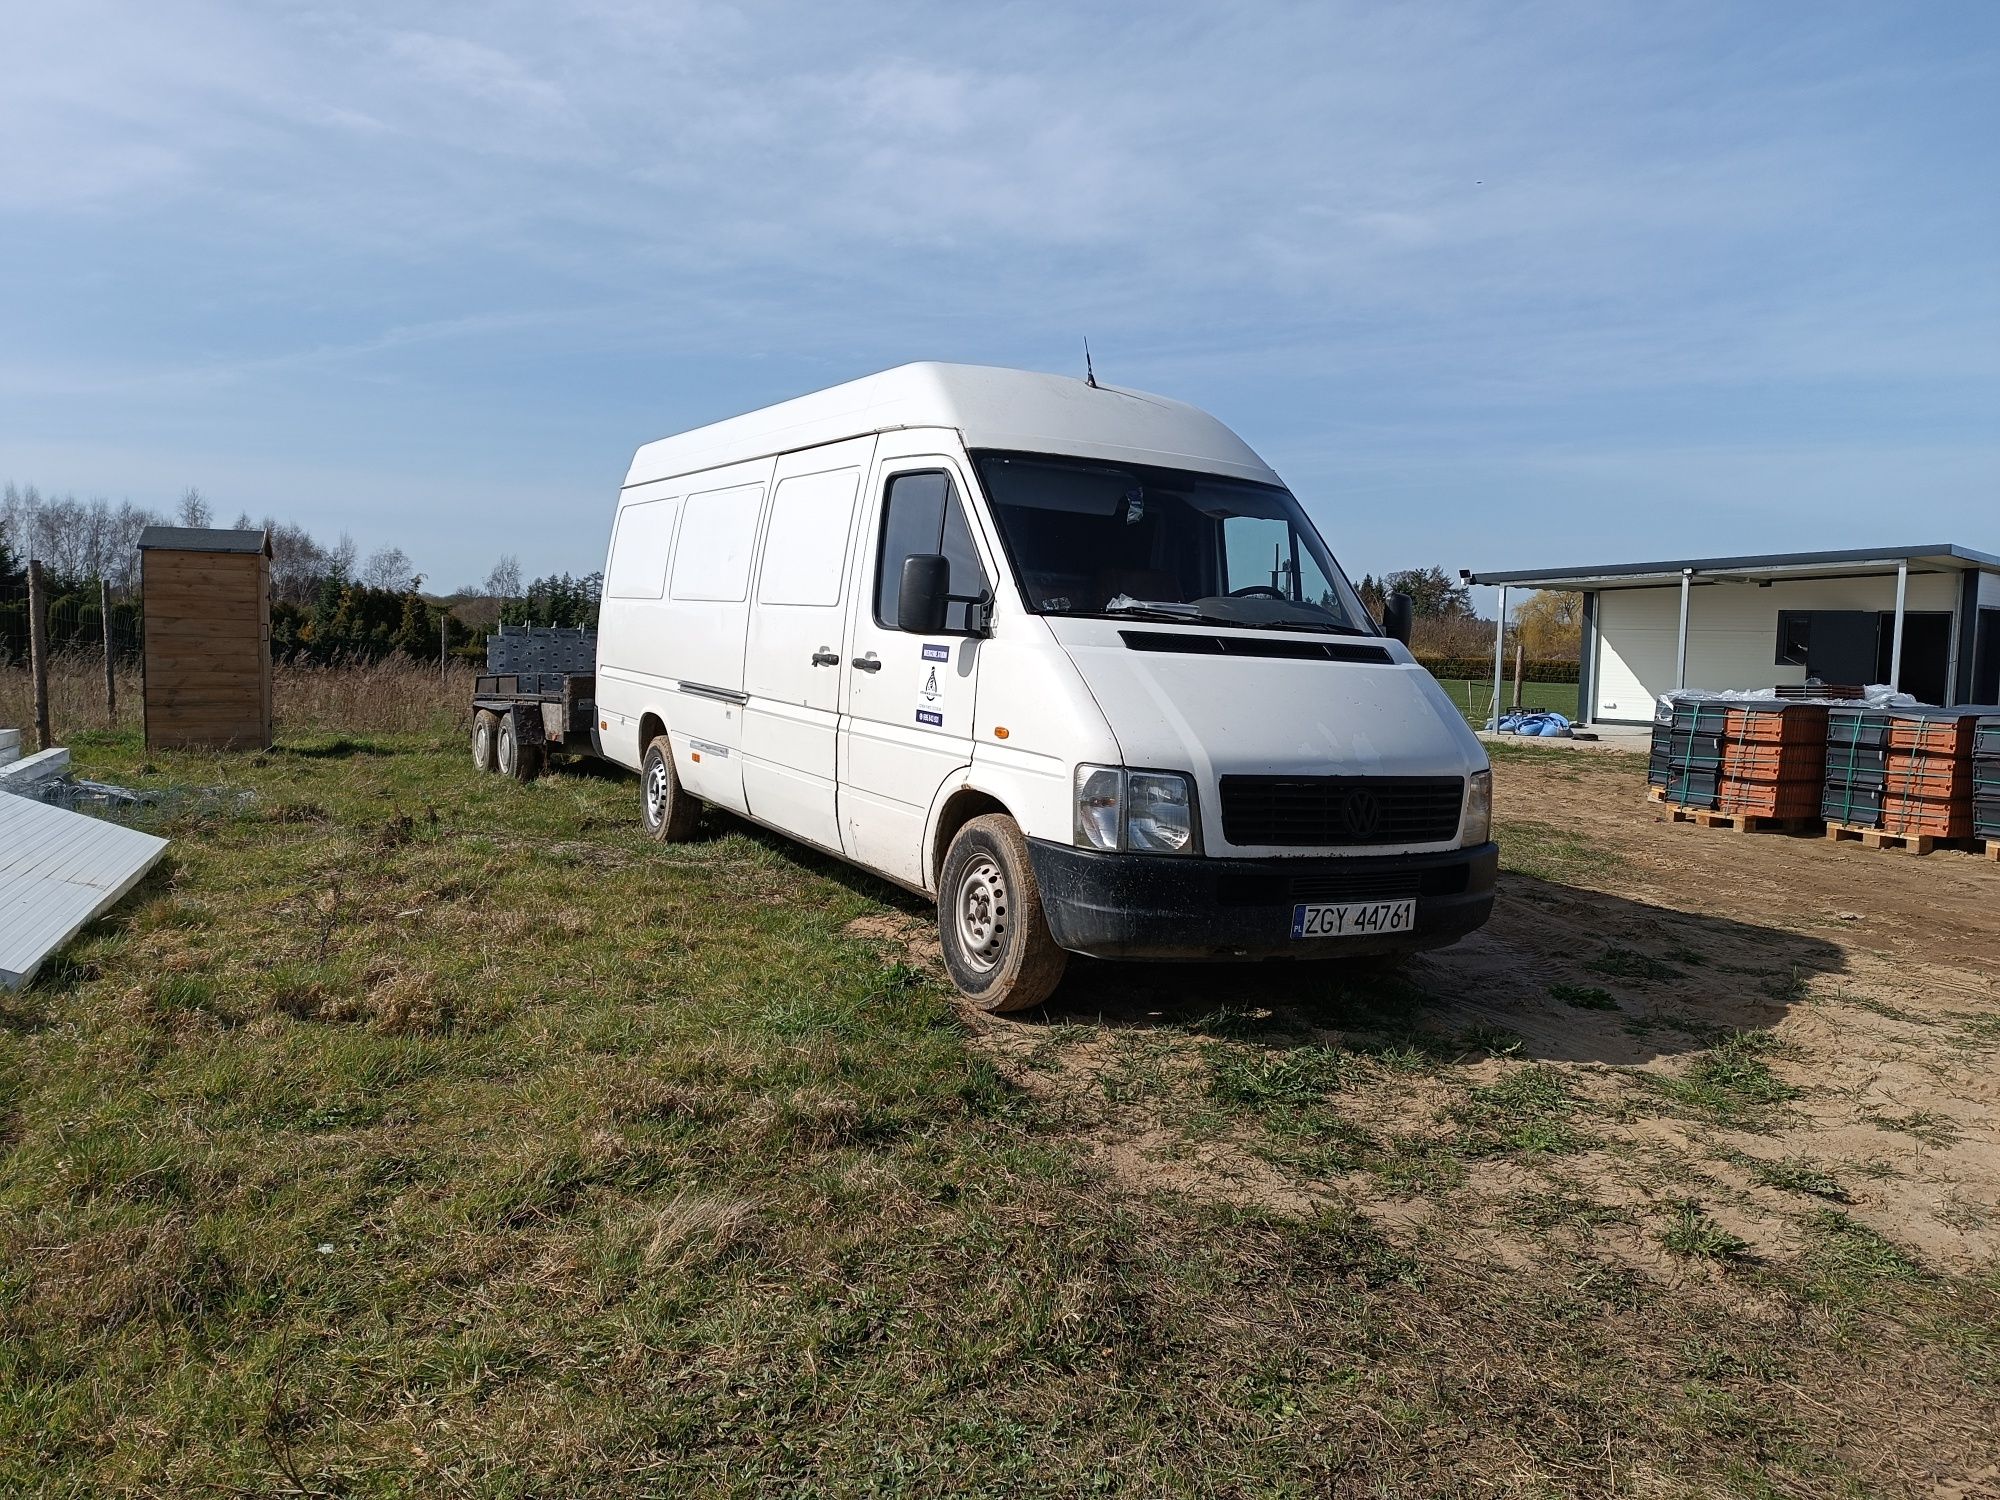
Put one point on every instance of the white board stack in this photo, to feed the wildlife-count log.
(58, 871)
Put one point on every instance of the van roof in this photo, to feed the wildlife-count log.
(990, 408)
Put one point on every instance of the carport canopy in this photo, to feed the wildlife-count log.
(1942, 557)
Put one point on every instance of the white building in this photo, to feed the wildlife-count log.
(1925, 619)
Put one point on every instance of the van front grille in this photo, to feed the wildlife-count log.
(1340, 811)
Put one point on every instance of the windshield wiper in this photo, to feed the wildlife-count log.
(1192, 614)
(1157, 609)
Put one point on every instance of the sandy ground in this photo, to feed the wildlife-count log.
(1875, 974)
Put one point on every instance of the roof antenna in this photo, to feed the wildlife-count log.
(1089, 375)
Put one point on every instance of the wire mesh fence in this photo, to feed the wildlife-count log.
(76, 615)
(1475, 697)
(95, 638)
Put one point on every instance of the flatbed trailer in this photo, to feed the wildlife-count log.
(536, 701)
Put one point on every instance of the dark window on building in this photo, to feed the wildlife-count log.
(921, 514)
(1794, 637)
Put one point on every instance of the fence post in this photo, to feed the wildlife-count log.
(110, 670)
(444, 647)
(38, 651)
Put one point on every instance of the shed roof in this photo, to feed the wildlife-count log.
(990, 408)
(203, 539)
(1936, 557)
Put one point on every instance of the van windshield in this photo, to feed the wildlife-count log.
(1088, 537)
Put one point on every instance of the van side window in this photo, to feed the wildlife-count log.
(639, 553)
(712, 561)
(805, 542)
(921, 513)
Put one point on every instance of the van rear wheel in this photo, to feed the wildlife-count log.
(485, 730)
(671, 815)
(995, 939)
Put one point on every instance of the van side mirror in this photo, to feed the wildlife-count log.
(924, 591)
(1399, 616)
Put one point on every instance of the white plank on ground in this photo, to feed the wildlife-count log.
(58, 871)
(30, 771)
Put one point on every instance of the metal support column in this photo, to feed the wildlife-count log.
(1499, 655)
(1896, 641)
(1681, 652)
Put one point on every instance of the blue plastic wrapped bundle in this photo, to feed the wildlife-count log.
(1546, 724)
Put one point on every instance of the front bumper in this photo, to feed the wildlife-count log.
(1186, 907)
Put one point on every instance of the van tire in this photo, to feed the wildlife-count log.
(991, 929)
(669, 812)
(520, 761)
(485, 734)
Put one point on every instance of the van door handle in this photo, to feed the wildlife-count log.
(868, 663)
(826, 658)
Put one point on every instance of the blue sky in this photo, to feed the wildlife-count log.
(1489, 284)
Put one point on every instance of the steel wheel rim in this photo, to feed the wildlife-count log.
(656, 789)
(508, 751)
(482, 742)
(981, 910)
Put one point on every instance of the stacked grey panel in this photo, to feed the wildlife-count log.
(1986, 778)
(541, 648)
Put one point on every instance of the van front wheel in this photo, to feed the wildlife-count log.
(990, 925)
(670, 813)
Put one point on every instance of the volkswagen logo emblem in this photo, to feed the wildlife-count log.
(1361, 811)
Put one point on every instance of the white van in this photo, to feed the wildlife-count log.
(1068, 659)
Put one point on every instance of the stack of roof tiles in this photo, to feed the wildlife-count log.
(1902, 770)
(1986, 777)
(1761, 758)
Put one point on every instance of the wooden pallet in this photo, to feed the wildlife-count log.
(1988, 847)
(1704, 817)
(1881, 838)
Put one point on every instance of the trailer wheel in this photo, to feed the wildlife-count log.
(522, 762)
(995, 939)
(485, 730)
(669, 812)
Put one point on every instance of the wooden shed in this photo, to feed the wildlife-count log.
(208, 637)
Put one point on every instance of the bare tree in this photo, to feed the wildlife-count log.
(21, 516)
(194, 511)
(388, 568)
(504, 582)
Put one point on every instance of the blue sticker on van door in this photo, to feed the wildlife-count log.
(930, 717)
(936, 653)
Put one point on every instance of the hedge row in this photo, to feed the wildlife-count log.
(1480, 669)
(75, 622)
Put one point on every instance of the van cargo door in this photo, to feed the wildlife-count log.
(794, 673)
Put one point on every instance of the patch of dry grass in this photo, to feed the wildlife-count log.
(393, 696)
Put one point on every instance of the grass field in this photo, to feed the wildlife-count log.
(1475, 699)
(416, 1133)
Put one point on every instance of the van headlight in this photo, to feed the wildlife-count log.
(1477, 826)
(1148, 812)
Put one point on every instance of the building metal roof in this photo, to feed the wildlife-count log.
(58, 870)
(1940, 557)
(990, 408)
(203, 539)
